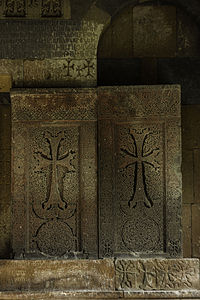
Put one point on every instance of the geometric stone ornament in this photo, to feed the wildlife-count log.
(157, 274)
(139, 177)
(54, 173)
(31, 9)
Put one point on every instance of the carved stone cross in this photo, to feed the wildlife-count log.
(54, 200)
(139, 157)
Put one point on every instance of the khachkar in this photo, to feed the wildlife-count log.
(54, 173)
(140, 171)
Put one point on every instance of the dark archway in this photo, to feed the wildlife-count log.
(152, 43)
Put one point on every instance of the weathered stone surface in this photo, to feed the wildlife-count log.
(182, 294)
(188, 174)
(183, 71)
(190, 127)
(5, 83)
(54, 173)
(187, 35)
(121, 36)
(140, 180)
(52, 39)
(157, 274)
(5, 185)
(187, 232)
(154, 31)
(57, 275)
(196, 155)
(195, 230)
(14, 68)
(35, 9)
(60, 72)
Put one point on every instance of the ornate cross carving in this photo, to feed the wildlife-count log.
(54, 200)
(139, 157)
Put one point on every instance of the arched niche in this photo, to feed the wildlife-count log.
(151, 43)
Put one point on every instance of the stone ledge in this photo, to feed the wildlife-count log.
(98, 279)
(61, 275)
(81, 295)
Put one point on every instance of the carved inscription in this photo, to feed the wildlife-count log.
(53, 177)
(15, 8)
(156, 274)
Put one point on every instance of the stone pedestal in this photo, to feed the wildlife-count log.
(100, 279)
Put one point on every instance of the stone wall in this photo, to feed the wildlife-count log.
(191, 180)
(53, 52)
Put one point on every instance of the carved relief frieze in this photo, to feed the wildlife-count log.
(157, 274)
(15, 8)
(35, 9)
(51, 8)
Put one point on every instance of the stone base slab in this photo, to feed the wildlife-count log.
(63, 275)
(81, 295)
(100, 279)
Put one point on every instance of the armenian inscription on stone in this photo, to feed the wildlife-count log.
(54, 162)
(35, 9)
(140, 180)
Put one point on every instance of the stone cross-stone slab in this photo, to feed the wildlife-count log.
(140, 171)
(54, 167)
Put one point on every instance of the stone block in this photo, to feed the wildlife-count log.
(188, 175)
(63, 275)
(196, 230)
(187, 35)
(187, 230)
(183, 71)
(14, 68)
(190, 128)
(60, 72)
(140, 171)
(157, 274)
(196, 154)
(5, 127)
(154, 31)
(54, 173)
(59, 295)
(105, 44)
(5, 83)
(122, 35)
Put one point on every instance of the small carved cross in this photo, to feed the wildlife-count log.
(140, 158)
(89, 66)
(54, 160)
(69, 67)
